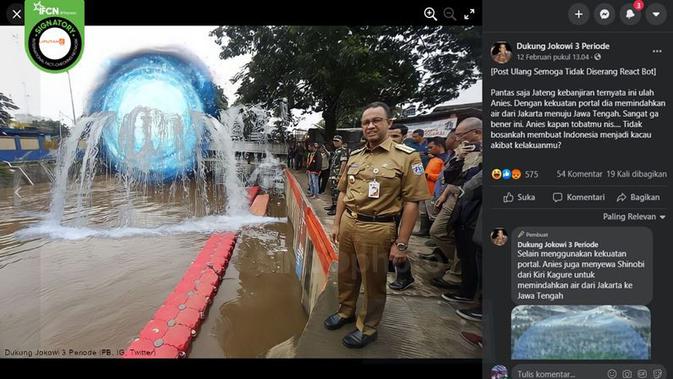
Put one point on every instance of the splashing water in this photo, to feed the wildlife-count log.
(79, 162)
(152, 130)
(268, 174)
(207, 224)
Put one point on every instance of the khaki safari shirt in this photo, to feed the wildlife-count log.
(398, 170)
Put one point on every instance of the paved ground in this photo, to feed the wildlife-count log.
(417, 323)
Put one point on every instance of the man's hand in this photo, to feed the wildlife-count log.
(449, 190)
(440, 200)
(335, 234)
(462, 150)
(397, 256)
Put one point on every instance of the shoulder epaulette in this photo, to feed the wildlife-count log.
(404, 148)
(353, 152)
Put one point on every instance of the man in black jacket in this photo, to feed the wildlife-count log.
(313, 168)
(464, 221)
(464, 164)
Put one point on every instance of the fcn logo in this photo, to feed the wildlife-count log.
(42, 10)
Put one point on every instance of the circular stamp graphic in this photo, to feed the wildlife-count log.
(55, 43)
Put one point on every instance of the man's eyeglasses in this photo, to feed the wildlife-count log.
(378, 121)
(459, 135)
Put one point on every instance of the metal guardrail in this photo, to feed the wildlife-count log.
(20, 169)
(49, 173)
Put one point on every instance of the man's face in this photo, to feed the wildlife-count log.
(451, 142)
(336, 143)
(434, 149)
(396, 135)
(502, 48)
(468, 133)
(375, 124)
(417, 137)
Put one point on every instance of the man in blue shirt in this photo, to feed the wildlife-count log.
(418, 143)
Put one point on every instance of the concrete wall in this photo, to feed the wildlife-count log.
(312, 253)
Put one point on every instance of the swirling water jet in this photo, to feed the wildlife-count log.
(153, 95)
(151, 127)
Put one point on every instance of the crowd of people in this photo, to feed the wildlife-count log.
(451, 219)
(323, 166)
(395, 179)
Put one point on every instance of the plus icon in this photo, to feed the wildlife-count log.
(578, 14)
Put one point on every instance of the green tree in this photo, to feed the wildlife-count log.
(339, 69)
(6, 105)
(52, 127)
(450, 58)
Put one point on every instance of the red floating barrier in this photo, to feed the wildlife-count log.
(176, 298)
(166, 313)
(259, 205)
(154, 329)
(205, 290)
(197, 303)
(252, 193)
(189, 318)
(169, 333)
(177, 336)
(167, 351)
(185, 285)
(210, 277)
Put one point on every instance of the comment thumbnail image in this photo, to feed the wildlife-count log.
(579, 332)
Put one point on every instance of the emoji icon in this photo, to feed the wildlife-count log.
(496, 174)
(506, 174)
(516, 174)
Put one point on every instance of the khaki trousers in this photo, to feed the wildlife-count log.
(364, 248)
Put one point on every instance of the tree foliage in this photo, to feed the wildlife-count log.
(339, 69)
(6, 105)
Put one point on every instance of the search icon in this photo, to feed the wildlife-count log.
(448, 13)
(430, 13)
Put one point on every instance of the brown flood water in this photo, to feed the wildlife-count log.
(94, 293)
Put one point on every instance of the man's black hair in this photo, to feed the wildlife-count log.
(439, 141)
(377, 104)
(403, 128)
(420, 132)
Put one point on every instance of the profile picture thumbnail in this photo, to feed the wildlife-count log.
(501, 52)
(499, 236)
(499, 372)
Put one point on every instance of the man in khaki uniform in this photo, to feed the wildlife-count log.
(379, 178)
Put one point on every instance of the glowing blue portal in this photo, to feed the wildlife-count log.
(172, 86)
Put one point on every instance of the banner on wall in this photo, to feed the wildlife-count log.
(300, 246)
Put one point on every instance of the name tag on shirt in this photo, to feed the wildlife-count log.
(374, 189)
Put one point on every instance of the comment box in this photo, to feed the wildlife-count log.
(581, 265)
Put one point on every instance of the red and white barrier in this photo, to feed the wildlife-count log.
(176, 322)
